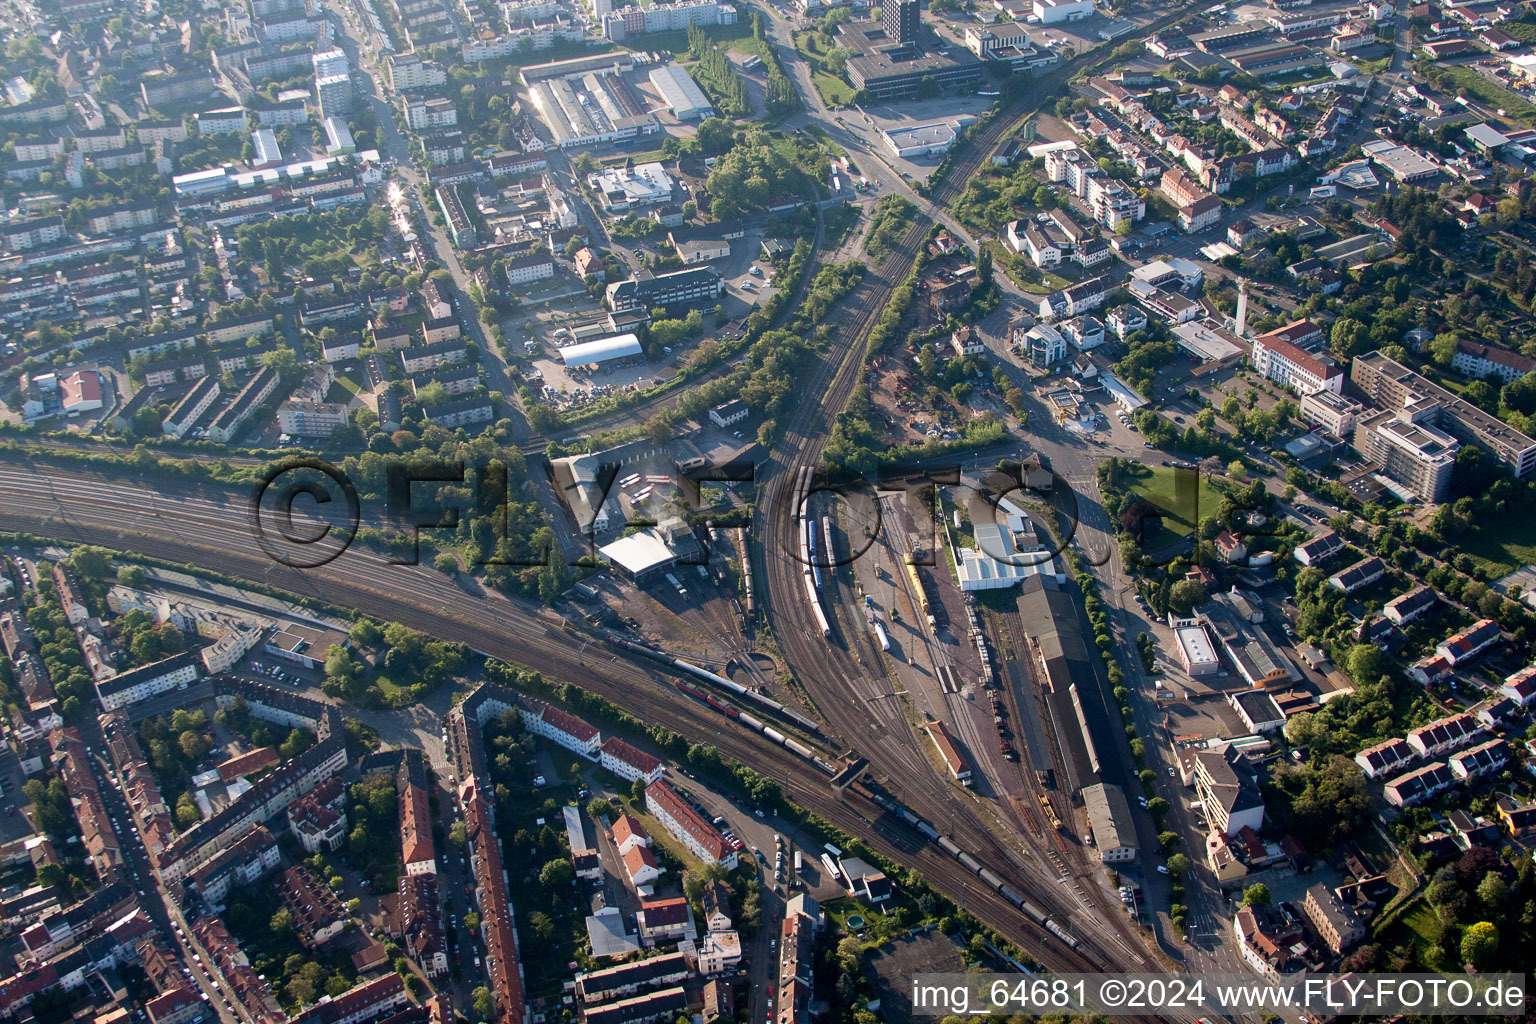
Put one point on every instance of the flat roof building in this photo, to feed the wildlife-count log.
(1208, 342)
(338, 137)
(920, 140)
(890, 69)
(1404, 164)
(268, 152)
(1416, 455)
(1197, 652)
(1392, 385)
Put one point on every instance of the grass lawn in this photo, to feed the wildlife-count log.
(834, 91)
(1485, 89)
(1182, 503)
(882, 921)
(814, 46)
(1418, 926)
(677, 42)
(654, 156)
(1505, 545)
(388, 685)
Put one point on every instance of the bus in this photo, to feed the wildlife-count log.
(834, 851)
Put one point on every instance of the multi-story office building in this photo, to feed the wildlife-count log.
(693, 287)
(1331, 411)
(901, 20)
(1415, 454)
(1392, 385)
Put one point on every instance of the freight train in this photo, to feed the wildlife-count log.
(986, 874)
(810, 725)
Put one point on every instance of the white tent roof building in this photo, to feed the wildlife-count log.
(601, 350)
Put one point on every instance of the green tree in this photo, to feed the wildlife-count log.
(1443, 349)
(557, 874)
(484, 1002)
(1256, 895)
(1179, 865)
(1479, 942)
(1364, 663)
(1186, 595)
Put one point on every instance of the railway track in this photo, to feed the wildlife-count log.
(205, 528)
(830, 672)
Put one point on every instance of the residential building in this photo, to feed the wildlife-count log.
(1360, 575)
(1319, 549)
(1407, 607)
(1334, 920)
(146, 681)
(1419, 785)
(1385, 758)
(628, 762)
(561, 727)
(695, 286)
(1444, 735)
(1485, 758)
(686, 825)
(1229, 791)
(245, 403)
(1462, 647)
(664, 921)
(1475, 359)
(1520, 687)
(311, 419)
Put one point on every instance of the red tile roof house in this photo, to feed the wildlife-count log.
(640, 863)
(628, 832)
(1470, 642)
(1521, 686)
(627, 762)
(562, 727)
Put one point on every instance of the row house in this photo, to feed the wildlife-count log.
(317, 911)
(1419, 785)
(1444, 735)
(1386, 758)
(1466, 645)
